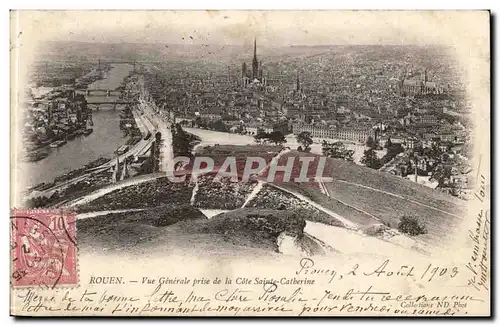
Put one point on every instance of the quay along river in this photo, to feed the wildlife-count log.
(105, 139)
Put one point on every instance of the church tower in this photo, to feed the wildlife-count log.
(244, 69)
(244, 76)
(297, 86)
(255, 62)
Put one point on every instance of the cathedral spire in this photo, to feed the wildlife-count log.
(255, 49)
(255, 62)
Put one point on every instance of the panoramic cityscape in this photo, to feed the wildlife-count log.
(391, 124)
(250, 163)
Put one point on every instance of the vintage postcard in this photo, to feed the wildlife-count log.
(250, 163)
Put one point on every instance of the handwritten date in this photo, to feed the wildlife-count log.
(308, 267)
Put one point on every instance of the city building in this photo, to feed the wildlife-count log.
(419, 86)
(353, 133)
(356, 133)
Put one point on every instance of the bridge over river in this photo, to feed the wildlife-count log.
(102, 142)
(99, 92)
(108, 91)
(100, 96)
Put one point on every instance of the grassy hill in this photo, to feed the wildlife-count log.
(361, 195)
(367, 196)
(183, 228)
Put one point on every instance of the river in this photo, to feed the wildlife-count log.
(113, 78)
(105, 139)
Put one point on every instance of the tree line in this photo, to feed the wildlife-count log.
(276, 137)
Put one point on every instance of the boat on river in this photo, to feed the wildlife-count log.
(36, 155)
(122, 149)
(88, 128)
(58, 143)
(71, 135)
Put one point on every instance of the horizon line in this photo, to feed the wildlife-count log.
(241, 45)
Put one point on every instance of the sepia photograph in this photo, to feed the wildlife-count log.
(250, 163)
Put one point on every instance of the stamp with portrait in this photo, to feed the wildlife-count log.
(43, 248)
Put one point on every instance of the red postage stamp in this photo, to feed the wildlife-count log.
(43, 247)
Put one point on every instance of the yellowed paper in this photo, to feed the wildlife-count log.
(124, 122)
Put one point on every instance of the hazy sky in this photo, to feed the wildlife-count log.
(239, 27)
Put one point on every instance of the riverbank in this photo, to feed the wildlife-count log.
(130, 129)
(67, 176)
(60, 115)
(56, 135)
(80, 187)
(129, 126)
(73, 160)
(81, 154)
